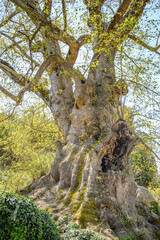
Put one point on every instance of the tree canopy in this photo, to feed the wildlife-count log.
(77, 29)
(27, 147)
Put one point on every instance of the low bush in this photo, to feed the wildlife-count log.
(20, 219)
(79, 234)
(155, 207)
(71, 231)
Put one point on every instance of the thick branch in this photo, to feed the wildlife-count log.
(131, 17)
(18, 98)
(134, 12)
(9, 70)
(20, 80)
(8, 94)
(93, 3)
(121, 31)
(95, 21)
(30, 7)
(64, 15)
(69, 69)
(119, 14)
(47, 7)
(50, 60)
(143, 44)
(73, 50)
(82, 40)
(57, 34)
(72, 55)
(52, 30)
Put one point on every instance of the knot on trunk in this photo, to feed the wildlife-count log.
(114, 154)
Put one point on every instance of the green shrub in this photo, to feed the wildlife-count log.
(20, 219)
(155, 207)
(71, 232)
(129, 238)
(80, 234)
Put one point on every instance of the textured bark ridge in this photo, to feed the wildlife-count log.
(93, 182)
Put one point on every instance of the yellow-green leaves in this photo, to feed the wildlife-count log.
(27, 147)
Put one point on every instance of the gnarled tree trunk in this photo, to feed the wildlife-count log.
(91, 177)
(93, 182)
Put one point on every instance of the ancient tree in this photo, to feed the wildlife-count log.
(90, 176)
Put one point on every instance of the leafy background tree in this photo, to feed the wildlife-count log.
(144, 166)
(27, 143)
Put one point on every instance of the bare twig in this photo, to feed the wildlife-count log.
(7, 93)
(139, 114)
(18, 46)
(148, 147)
(10, 47)
(110, 8)
(157, 40)
(144, 87)
(9, 18)
(9, 114)
(131, 59)
(30, 44)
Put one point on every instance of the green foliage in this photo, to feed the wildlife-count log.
(77, 234)
(155, 207)
(144, 166)
(129, 238)
(156, 193)
(27, 146)
(71, 231)
(20, 219)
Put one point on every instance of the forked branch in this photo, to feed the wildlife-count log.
(52, 31)
(143, 44)
(9, 18)
(119, 14)
(124, 25)
(21, 81)
(10, 71)
(34, 84)
(8, 94)
(19, 47)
